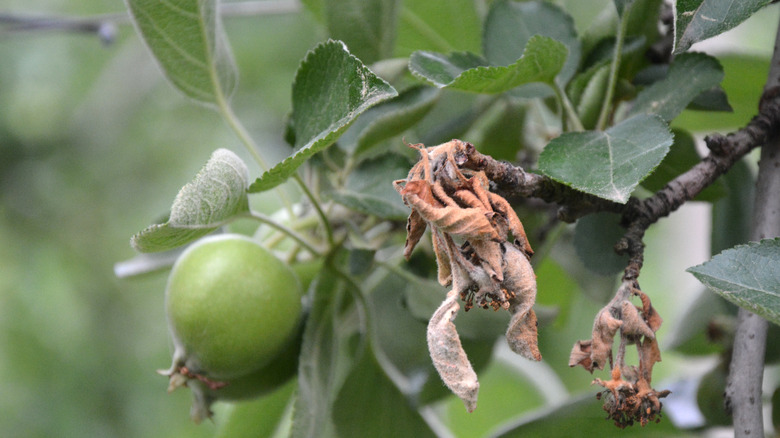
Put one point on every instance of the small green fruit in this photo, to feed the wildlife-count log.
(232, 307)
(255, 384)
(261, 381)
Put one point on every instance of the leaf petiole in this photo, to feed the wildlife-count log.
(613, 69)
(569, 113)
(288, 231)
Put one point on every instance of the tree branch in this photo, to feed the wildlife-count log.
(746, 372)
(637, 216)
(105, 25)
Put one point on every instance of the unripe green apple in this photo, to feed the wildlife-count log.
(255, 384)
(232, 307)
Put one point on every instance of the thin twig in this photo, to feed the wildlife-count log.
(105, 25)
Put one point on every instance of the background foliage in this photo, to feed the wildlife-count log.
(94, 144)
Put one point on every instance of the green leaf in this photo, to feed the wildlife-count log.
(438, 25)
(541, 61)
(744, 81)
(689, 75)
(369, 190)
(510, 25)
(389, 118)
(331, 89)
(214, 197)
(681, 157)
(367, 27)
(369, 404)
(595, 236)
(186, 39)
(747, 275)
(611, 163)
(697, 20)
(440, 69)
(326, 358)
(714, 99)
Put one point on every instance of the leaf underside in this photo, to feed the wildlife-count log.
(510, 25)
(689, 75)
(186, 39)
(697, 20)
(217, 194)
(541, 61)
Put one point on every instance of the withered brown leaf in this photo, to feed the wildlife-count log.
(604, 330)
(580, 354)
(490, 256)
(633, 324)
(519, 278)
(448, 355)
(415, 228)
(483, 266)
(468, 223)
(649, 354)
(652, 317)
(442, 258)
(502, 207)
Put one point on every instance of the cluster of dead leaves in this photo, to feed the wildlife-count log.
(481, 250)
(628, 396)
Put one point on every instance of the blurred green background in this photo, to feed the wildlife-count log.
(94, 145)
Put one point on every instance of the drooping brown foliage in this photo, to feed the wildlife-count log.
(628, 396)
(482, 252)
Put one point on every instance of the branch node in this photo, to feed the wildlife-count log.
(717, 144)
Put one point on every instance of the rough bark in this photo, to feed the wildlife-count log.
(743, 391)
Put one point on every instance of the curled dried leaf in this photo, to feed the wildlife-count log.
(415, 228)
(448, 355)
(580, 354)
(502, 207)
(490, 257)
(522, 335)
(479, 185)
(469, 199)
(652, 317)
(519, 278)
(469, 223)
(442, 259)
(649, 354)
(467, 276)
(604, 330)
(481, 267)
(633, 324)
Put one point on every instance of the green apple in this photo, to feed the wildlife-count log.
(232, 308)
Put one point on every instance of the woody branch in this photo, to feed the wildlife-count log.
(637, 216)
